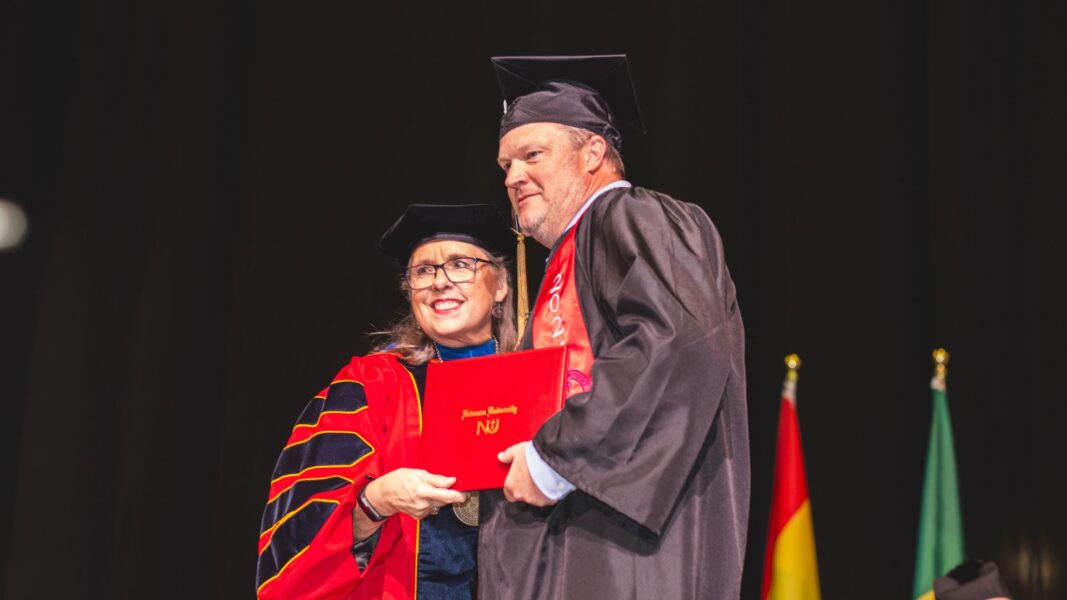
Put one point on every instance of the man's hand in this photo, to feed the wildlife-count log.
(519, 486)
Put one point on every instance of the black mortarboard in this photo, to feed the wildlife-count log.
(589, 92)
(971, 580)
(478, 224)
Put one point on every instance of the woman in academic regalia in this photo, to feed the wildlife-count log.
(347, 514)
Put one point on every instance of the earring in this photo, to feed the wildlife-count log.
(498, 310)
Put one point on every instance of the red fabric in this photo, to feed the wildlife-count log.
(390, 424)
(557, 318)
(790, 484)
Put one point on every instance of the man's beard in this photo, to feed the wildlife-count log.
(534, 225)
(547, 225)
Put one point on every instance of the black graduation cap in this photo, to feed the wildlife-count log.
(478, 224)
(589, 92)
(971, 580)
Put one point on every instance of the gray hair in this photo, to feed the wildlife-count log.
(580, 136)
(411, 344)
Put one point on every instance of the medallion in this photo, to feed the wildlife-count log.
(467, 512)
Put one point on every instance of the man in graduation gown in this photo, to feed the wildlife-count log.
(639, 487)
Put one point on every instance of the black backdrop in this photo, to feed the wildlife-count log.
(206, 184)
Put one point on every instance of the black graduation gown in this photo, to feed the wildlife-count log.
(658, 449)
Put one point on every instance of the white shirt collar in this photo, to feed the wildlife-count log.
(621, 183)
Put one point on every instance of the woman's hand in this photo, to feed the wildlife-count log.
(413, 492)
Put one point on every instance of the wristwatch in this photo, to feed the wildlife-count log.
(367, 508)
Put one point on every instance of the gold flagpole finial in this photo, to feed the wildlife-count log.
(940, 362)
(792, 362)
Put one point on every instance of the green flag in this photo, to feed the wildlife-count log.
(940, 524)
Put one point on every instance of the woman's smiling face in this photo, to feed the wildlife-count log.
(457, 314)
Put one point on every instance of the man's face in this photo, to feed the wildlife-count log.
(545, 177)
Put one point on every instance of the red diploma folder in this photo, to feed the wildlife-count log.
(477, 407)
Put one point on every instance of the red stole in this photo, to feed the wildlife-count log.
(557, 317)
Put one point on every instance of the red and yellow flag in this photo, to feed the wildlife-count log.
(790, 571)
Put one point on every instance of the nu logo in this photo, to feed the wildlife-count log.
(488, 427)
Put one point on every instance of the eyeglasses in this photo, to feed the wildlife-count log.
(457, 270)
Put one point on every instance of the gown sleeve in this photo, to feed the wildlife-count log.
(306, 538)
(666, 332)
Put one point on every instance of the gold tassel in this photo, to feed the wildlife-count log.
(522, 300)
